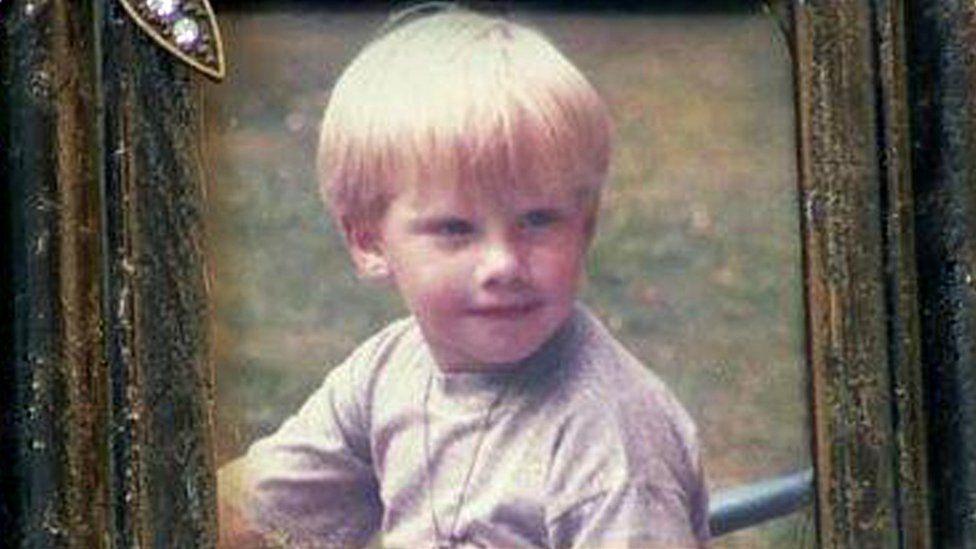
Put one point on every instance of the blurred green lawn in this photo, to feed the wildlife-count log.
(696, 266)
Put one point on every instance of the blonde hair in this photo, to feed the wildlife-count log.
(458, 98)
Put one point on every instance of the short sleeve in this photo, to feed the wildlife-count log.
(311, 483)
(626, 472)
(631, 515)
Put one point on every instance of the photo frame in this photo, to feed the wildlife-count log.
(107, 364)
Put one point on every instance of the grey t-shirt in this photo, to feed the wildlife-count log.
(581, 446)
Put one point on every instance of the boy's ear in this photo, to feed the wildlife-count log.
(590, 227)
(367, 251)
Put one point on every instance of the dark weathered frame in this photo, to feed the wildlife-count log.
(106, 384)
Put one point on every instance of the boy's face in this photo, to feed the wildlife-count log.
(489, 279)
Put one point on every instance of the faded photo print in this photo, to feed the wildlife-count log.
(500, 276)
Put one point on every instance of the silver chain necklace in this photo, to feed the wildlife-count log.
(453, 540)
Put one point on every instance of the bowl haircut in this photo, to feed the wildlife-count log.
(459, 98)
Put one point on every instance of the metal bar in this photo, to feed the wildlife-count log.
(749, 505)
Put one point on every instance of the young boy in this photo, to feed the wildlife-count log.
(463, 158)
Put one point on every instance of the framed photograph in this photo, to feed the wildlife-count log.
(179, 289)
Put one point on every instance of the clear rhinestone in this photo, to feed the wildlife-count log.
(163, 8)
(186, 32)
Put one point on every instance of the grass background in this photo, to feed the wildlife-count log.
(696, 265)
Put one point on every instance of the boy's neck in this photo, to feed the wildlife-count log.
(452, 365)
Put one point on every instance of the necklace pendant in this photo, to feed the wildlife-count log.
(454, 542)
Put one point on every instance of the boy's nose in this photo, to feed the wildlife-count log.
(500, 265)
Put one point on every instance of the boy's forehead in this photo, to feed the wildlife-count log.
(454, 192)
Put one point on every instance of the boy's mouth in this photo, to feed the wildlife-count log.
(506, 311)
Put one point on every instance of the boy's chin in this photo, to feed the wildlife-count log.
(511, 354)
(478, 350)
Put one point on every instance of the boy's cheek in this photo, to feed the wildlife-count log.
(563, 260)
(430, 290)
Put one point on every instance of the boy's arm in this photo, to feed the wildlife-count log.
(234, 530)
(311, 483)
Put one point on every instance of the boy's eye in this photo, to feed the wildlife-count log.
(454, 227)
(539, 218)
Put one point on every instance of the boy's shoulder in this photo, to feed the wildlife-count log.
(378, 361)
(607, 398)
(397, 332)
(601, 374)
(398, 338)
